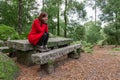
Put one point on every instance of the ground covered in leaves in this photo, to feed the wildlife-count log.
(102, 64)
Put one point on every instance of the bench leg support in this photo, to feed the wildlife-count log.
(24, 57)
(49, 68)
(75, 54)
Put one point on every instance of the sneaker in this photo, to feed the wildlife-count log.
(40, 48)
(46, 48)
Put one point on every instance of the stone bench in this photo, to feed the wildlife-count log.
(24, 49)
(4, 49)
(24, 45)
(3, 43)
(47, 59)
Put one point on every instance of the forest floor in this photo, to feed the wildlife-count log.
(102, 64)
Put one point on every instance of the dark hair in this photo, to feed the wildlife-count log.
(42, 15)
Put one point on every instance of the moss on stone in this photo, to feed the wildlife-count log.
(8, 69)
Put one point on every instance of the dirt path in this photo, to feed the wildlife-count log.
(103, 64)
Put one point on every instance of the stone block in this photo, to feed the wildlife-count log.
(24, 57)
(24, 45)
(42, 58)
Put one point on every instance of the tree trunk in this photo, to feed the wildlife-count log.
(52, 30)
(43, 3)
(95, 13)
(116, 29)
(20, 17)
(58, 27)
(65, 18)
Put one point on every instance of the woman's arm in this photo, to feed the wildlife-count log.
(37, 26)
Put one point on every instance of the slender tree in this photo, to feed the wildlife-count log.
(58, 25)
(65, 18)
(73, 7)
(95, 13)
(20, 17)
(43, 3)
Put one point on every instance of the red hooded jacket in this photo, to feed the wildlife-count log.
(37, 31)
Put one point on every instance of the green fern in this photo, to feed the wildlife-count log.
(7, 32)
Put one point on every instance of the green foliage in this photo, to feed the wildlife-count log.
(50, 62)
(76, 32)
(76, 42)
(9, 12)
(92, 33)
(101, 42)
(87, 47)
(111, 15)
(76, 7)
(52, 36)
(116, 49)
(109, 35)
(8, 69)
(7, 32)
(24, 35)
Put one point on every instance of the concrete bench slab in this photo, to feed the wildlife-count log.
(4, 49)
(24, 45)
(47, 59)
(42, 58)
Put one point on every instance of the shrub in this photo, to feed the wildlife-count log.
(52, 36)
(7, 32)
(8, 69)
(87, 47)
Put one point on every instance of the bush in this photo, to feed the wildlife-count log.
(102, 42)
(116, 49)
(76, 32)
(7, 32)
(24, 35)
(52, 36)
(92, 33)
(87, 47)
(76, 42)
(8, 69)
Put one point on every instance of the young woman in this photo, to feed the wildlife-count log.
(38, 35)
